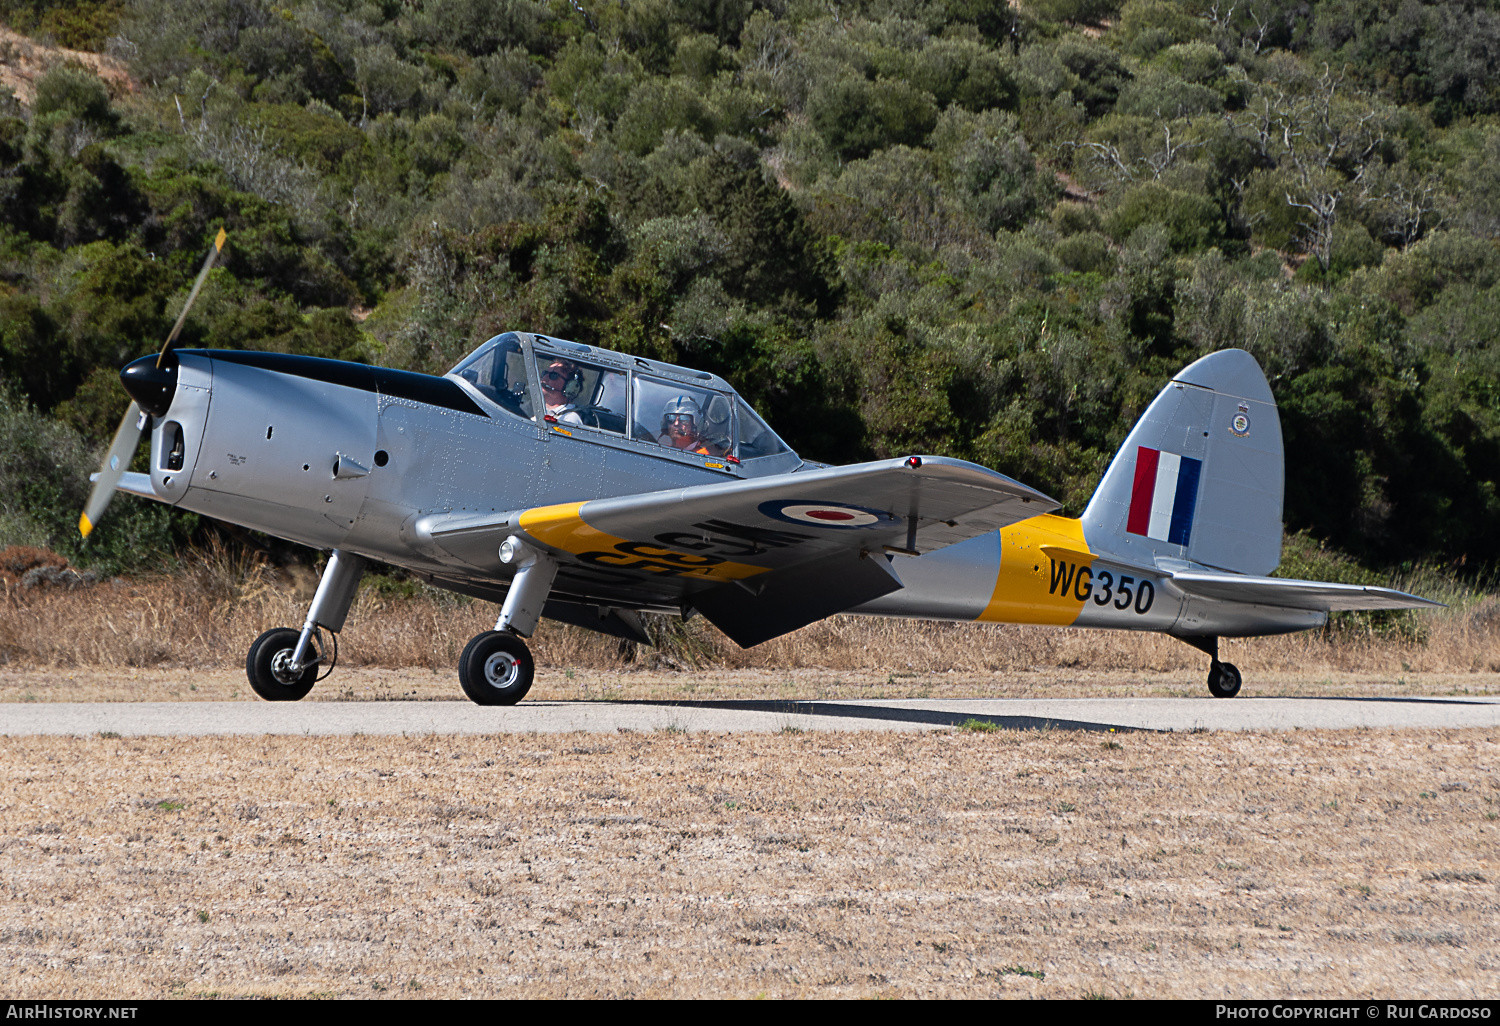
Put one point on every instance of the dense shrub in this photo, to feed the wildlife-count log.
(958, 227)
(1192, 221)
(857, 116)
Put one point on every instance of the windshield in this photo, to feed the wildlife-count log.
(756, 439)
(498, 370)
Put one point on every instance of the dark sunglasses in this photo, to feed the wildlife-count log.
(559, 375)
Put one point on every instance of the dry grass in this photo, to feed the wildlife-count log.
(1309, 864)
(205, 617)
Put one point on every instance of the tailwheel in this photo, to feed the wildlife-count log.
(268, 665)
(496, 668)
(1223, 680)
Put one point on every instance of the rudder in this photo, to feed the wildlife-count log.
(1201, 476)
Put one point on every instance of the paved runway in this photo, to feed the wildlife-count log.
(1121, 714)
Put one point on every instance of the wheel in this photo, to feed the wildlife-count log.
(1223, 680)
(265, 665)
(496, 669)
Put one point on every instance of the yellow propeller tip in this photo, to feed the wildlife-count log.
(219, 240)
(85, 525)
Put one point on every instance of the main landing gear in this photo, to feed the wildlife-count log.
(496, 667)
(283, 662)
(1223, 678)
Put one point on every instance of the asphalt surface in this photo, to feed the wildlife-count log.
(186, 719)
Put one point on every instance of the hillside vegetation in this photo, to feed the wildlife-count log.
(953, 226)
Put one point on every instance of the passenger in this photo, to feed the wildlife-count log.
(680, 420)
(562, 382)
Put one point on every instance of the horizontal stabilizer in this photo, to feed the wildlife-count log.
(1289, 594)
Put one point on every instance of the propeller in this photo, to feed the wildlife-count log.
(152, 386)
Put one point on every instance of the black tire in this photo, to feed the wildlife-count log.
(260, 667)
(1223, 680)
(496, 669)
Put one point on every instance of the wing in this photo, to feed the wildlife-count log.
(1276, 591)
(761, 557)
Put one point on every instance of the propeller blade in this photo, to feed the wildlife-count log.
(208, 265)
(128, 436)
(116, 462)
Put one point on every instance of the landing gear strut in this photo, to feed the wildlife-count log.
(1223, 678)
(283, 662)
(496, 667)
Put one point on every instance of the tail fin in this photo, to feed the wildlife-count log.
(1200, 477)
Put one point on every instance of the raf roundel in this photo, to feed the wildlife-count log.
(823, 514)
(1239, 424)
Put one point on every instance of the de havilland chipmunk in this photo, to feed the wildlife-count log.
(567, 481)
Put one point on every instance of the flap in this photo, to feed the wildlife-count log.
(621, 623)
(781, 602)
(1276, 591)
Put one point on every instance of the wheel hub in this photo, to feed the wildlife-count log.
(501, 670)
(281, 668)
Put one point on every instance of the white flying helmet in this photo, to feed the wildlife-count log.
(681, 406)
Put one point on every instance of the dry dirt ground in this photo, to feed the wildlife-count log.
(1314, 864)
(24, 60)
(221, 684)
(952, 864)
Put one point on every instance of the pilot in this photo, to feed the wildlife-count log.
(680, 425)
(561, 383)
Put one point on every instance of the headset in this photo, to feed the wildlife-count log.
(573, 387)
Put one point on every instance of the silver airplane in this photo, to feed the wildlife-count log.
(565, 481)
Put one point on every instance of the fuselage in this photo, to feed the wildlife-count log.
(262, 444)
(357, 458)
(1007, 576)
